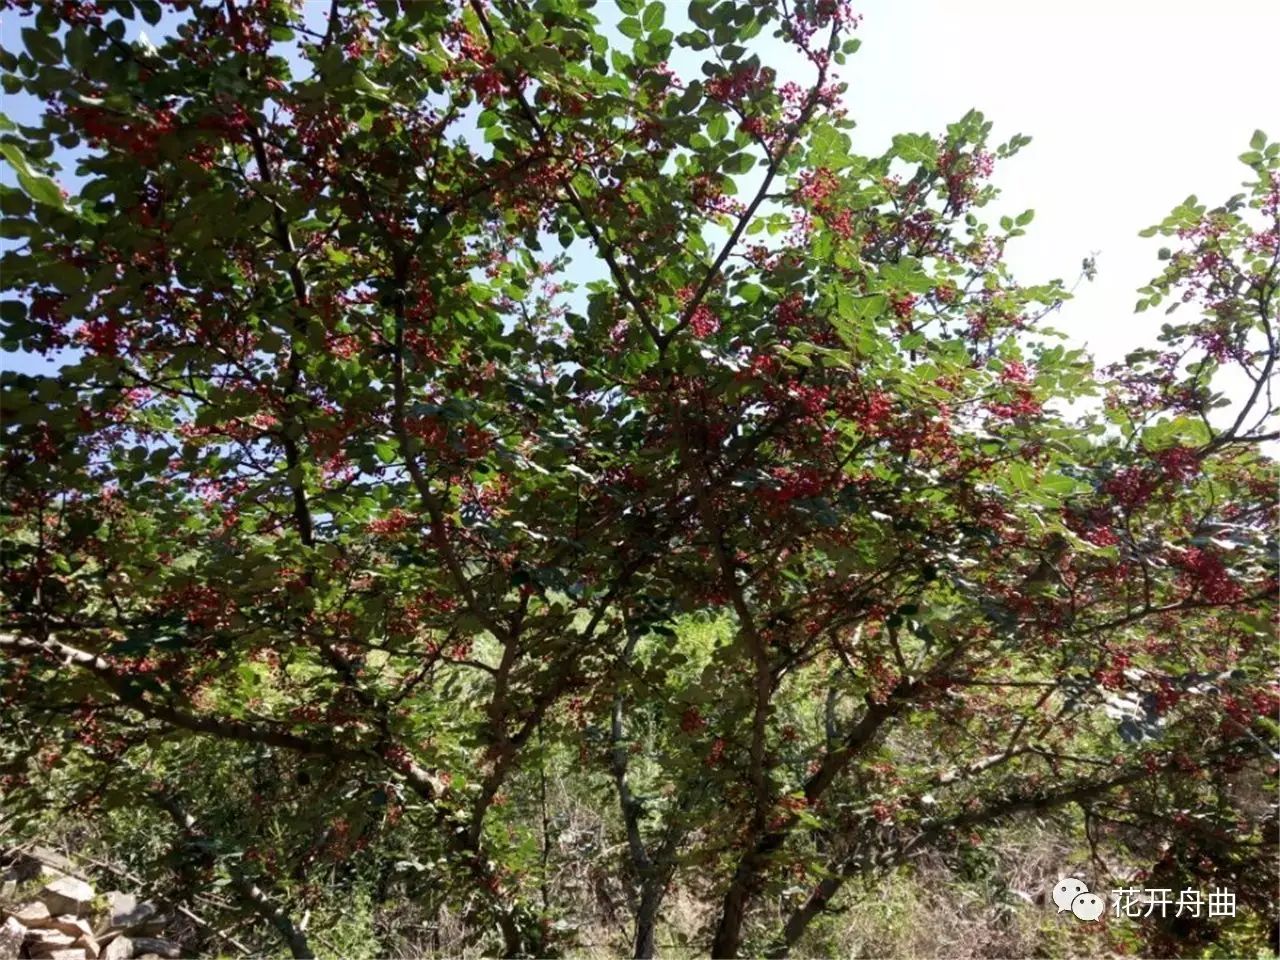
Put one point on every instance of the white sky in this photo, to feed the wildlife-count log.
(1131, 104)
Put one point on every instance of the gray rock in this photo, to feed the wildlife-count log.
(42, 944)
(55, 937)
(67, 895)
(52, 862)
(158, 947)
(126, 912)
(12, 933)
(154, 927)
(70, 953)
(121, 948)
(89, 944)
(71, 926)
(38, 862)
(33, 915)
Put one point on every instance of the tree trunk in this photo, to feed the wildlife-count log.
(512, 942)
(799, 921)
(647, 919)
(733, 912)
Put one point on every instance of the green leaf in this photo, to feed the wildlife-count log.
(829, 148)
(701, 15)
(1258, 141)
(40, 188)
(14, 203)
(1021, 476)
(77, 47)
(367, 86)
(916, 148)
(43, 47)
(654, 14)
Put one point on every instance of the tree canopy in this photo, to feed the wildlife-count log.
(440, 393)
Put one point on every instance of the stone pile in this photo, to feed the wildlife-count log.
(66, 920)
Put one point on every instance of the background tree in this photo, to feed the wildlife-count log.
(352, 506)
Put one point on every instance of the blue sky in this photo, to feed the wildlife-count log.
(1132, 105)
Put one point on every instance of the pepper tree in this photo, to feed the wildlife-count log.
(420, 376)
